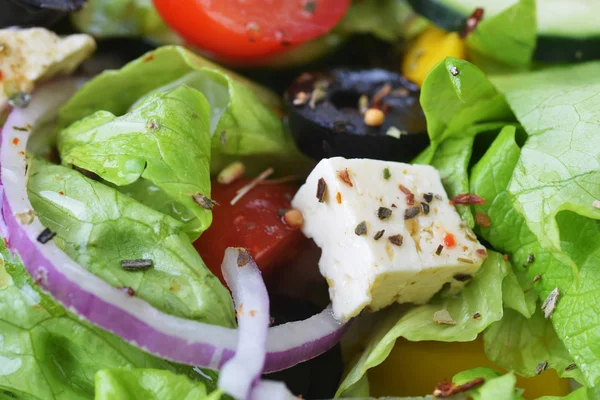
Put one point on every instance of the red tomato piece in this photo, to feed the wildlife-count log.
(242, 30)
(252, 223)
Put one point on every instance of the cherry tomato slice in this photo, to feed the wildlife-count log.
(241, 30)
(252, 223)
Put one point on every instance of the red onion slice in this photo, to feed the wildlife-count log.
(252, 305)
(176, 339)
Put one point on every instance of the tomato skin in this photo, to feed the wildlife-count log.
(252, 223)
(245, 30)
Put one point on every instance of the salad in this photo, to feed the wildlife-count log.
(366, 199)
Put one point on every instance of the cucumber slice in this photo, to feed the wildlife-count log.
(567, 29)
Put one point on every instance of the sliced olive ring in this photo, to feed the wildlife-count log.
(25, 13)
(329, 115)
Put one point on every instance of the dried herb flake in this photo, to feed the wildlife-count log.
(243, 258)
(384, 213)
(386, 174)
(439, 249)
(321, 189)
(136, 265)
(411, 212)
(396, 240)
(204, 201)
(541, 367)
(443, 317)
(549, 304)
(46, 236)
(361, 229)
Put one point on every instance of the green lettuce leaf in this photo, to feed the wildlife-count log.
(146, 143)
(123, 18)
(483, 295)
(489, 178)
(455, 96)
(47, 353)
(451, 159)
(149, 384)
(520, 344)
(244, 125)
(575, 319)
(98, 227)
(508, 38)
(579, 394)
(559, 165)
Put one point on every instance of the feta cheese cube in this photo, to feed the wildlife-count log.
(36, 54)
(387, 233)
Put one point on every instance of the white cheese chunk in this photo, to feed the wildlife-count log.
(35, 54)
(363, 271)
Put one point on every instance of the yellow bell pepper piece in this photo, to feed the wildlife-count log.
(415, 369)
(431, 47)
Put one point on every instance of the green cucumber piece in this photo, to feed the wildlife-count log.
(567, 29)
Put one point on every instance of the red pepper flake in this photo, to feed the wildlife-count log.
(482, 220)
(481, 252)
(449, 241)
(505, 256)
(410, 198)
(21, 153)
(448, 389)
(381, 93)
(338, 198)
(472, 22)
(61, 193)
(467, 199)
(252, 313)
(16, 141)
(128, 290)
(344, 176)
(149, 57)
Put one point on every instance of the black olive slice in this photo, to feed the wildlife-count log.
(327, 115)
(25, 13)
